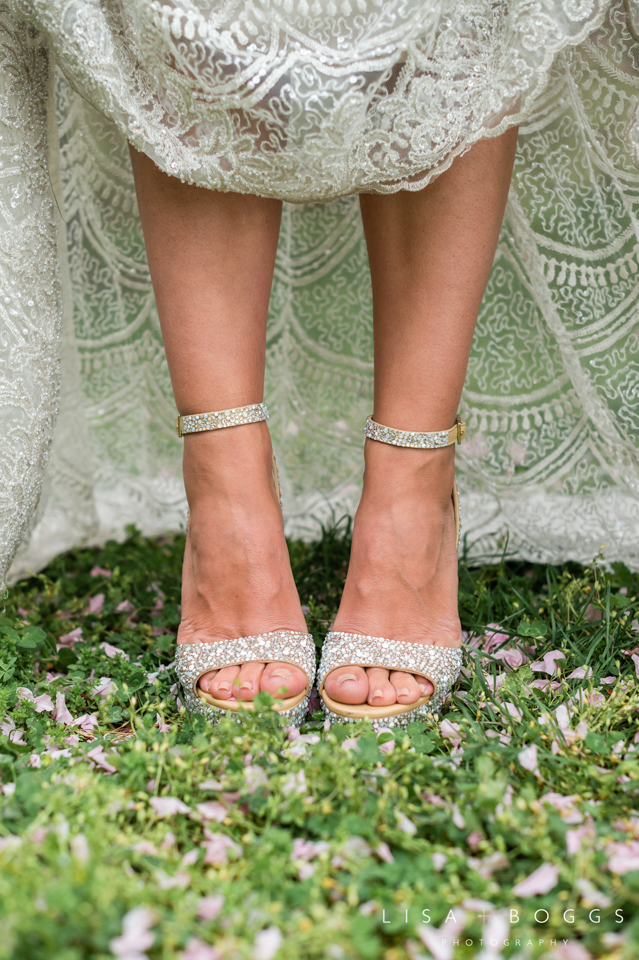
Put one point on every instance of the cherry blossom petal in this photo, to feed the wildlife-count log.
(96, 604)
(61, 714)
(209, 907)
(136, 935)
(541, 880)
(267, 943)
(168, 806)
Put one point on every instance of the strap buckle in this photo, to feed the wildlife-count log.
(461, 429)
(178, 426)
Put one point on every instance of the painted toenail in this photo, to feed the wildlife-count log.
(224, 686)
(345, 677)
(246, 685)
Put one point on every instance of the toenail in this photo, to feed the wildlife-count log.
(346, 676)
(246, 685)
(423, 689)
(404, 692)
(224, 686)
(377, 694)
(279, 673)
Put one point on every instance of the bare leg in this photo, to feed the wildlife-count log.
(211, 257)
(430, 256)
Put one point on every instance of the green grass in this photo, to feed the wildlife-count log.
(337, 843)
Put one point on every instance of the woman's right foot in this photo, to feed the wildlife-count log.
(237, 578)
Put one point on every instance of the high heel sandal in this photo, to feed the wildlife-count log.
(193, 660)
(439, 665)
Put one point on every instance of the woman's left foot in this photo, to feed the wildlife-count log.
(402, 576)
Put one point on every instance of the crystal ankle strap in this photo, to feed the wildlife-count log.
(423, 441)
(197, 422)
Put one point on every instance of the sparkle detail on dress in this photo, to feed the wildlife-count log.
(194, 659)
(197, 422)
(407, 438)
(440, 665)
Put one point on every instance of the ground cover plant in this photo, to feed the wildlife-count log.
(507, 827)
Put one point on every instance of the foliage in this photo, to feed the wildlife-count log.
(141, 829)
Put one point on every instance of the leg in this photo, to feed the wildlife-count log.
(211, 258)
(430, 256)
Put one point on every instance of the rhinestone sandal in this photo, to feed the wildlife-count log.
(439, 665)
(193, 660)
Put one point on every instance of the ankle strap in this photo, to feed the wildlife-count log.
(197, 422)
(423, 441)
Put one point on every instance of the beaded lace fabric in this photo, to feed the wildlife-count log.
(308, 101)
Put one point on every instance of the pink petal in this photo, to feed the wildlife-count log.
(580, 673)
(61, 714)
(514, 711)
(542, 880)
(528, 758)
(98, 756)
(267, 943)
(86, 722)
(511, 656)
(575, 838)
(635, 660)
(96, 604)
(113, 651)
(546, 685)
(547, 664)
(43, 703)
(100, 572)
(104, 687)
(493, 637)
(69, 639)
(211, 810)
(494, 683)
(136, 936)
(168, 806)
(384, 852)
(209, 907)
(162, 727)
(196, 949)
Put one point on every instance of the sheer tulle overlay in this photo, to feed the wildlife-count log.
(311, 101)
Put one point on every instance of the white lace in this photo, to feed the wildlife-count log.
(550, 400)
(309, 100)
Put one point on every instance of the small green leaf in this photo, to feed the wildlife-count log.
(596, 743)
(535, 629)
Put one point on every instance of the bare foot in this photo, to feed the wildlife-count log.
(237, 579)
(402, 576)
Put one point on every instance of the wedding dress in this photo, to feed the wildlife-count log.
(313, 101)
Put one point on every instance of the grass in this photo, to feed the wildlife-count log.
(140, 832)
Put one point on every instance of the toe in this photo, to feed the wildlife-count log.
(347, 685)
(221, 686)
(426, 688)
(205, 680)
(406, 687)
(249, 680)
(282, 679)
(381, 693)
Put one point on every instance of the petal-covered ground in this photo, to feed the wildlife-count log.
(507, 827)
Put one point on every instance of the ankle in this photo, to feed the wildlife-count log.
(393, 475)
(232, 464)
